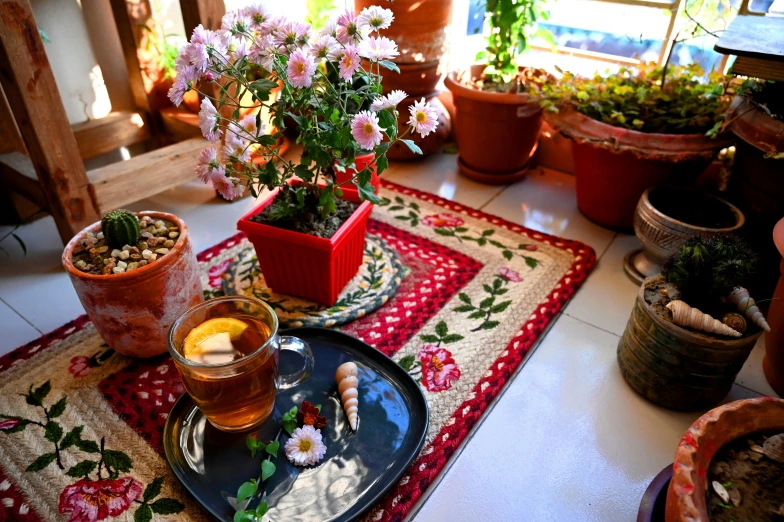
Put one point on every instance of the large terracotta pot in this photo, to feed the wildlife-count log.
(773, 362)
(420, 28)
(675, 367)
(133, 311)
(497, 133)
(614, 166)
(688, 487)
(417, 79)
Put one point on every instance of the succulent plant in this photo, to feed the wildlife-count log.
(120, 227)
(707, 269)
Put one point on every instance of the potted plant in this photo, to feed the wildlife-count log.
(636, 129)
(674, 350)
(728, 465)
(773, 363)
(134, 275)
(497, 119)
(309, 241)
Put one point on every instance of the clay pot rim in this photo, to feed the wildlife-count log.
(672, 147)
(505, 98)
(144, 272)
(685, 501)
(720, 343)
(740, 218)
(753, 125)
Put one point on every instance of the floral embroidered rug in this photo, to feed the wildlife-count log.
(82, 426)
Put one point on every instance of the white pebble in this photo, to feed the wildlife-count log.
(143, 245)
(124, 254)
(173, 234)
(159, 224)
(92, 235)
(146, 254)
(99, 235)
(132, 266)
(107, 261)
(143, 262)
(162, 251)
(153, 257)
(126, 247)
(118, 270)
(168, 243)
(81, 264)
(122, 264)
(115, 253)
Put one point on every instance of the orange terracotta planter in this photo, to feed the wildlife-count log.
(497, 133)
(133, 311)
(689, 484)
(773, 363)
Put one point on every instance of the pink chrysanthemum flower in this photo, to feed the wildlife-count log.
(226, 186)
(262, 52)
(390, 101)
(258, 14)
(207, 48)
(293, 33)
(324, 47)
(184, 82)
(208, 163)
(209, 121)
(273, 26)
(236, 149)
(423, 118)
(348, 28)
(330, 28)
(378, 48)
(236, 22)
(248, 124)
(238, 49)
(349, 62)
(365, 129)
(305, 447)
(301, 68)
(375, 17)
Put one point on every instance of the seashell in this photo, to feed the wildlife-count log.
(757, 449)
(735, 497)
(685, 315)
(774, 448)
(721, 491)
(748, 307)
(734, 321)
(348, 383)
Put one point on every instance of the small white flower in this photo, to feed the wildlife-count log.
(209, 121)
(390, 101)
(375, 17)
(424, 119)
(305, 447)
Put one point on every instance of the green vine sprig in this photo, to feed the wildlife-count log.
(487, 307)
(248, 490)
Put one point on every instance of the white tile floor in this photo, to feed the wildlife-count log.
(567, 440)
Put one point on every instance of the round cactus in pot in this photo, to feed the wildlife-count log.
(120, 227)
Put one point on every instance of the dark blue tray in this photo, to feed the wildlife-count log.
(357, 469)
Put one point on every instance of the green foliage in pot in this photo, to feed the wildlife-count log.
(633, 98)
(707, 269)
(513, 24)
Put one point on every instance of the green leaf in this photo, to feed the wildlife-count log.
(117, 460)
(385, 120)
(487, 302)
(72, 437)
(413, 147)
(487, 288)
(244, 516)
(53, 432)
(261, 509)
(452, 338)
(463, 308)
(272, 448)
(247, 490)
(143, 514)
(36, 397)
(267, 469)
(464, 297)
(443, 232)
(507, 255)
(88, 446)
(497, 283)
(488, 232)
(262, 88)
(531, 262)
(386, 64)
(428, 338)
(83, 469)
(407, 362)
(153, 489)
(461, 229)
(166, 506)
(41, 462)
(442, 329)
(477, 315)
(289, 425)
(381, 164)
(58, 408)
(500, 307)
(489, 325)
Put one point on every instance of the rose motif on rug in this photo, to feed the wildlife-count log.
(478, 292)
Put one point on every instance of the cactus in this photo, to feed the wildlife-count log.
(120, 227)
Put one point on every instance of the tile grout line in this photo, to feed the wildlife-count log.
(494, 196)
(20, 315)
(591, 325)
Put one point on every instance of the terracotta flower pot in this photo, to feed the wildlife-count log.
(417, 79)
(497, 133)
(614, 166)
(133, 311)
(688, 487)
(675, 367)
(430, 144)
(419, 29)
(308, 266)
(350, 192)
(773, 362)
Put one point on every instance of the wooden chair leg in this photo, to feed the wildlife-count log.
(205, 12)
(32, 94)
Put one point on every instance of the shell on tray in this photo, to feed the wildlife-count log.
(721, 491)
(685, 315)
(734, 321)
(747, 306)
(347, 378)
(774, 448)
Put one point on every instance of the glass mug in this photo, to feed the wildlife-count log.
(239, 394)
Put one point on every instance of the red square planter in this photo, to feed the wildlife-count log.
(350, 191)
(307, 266)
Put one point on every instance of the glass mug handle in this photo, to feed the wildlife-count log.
(299, 346)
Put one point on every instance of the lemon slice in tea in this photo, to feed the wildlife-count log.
(212, 337)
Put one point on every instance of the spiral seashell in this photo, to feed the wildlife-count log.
(748, 307)
(346, 377)
(685, 315)
(734, 321)
(774, 448)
